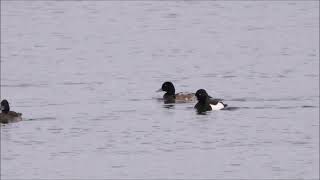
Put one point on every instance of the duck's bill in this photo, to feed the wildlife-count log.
(159, 90)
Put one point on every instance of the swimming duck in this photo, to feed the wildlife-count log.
(171, 97)
(206, 103)
(6, 115)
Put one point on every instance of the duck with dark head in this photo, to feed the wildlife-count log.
(6, 115)
(206, 103)
(171, 97)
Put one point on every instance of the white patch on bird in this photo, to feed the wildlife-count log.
(218, 106)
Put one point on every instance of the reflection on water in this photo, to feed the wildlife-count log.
(169, 106)
(84, 74)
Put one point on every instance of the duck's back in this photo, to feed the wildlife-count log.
(11, 116)
(185, 97)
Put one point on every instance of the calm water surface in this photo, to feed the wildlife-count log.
(84, 75)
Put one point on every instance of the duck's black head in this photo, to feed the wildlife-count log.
(203, 104)
(5, 108)
(202, 95)
(168, 87)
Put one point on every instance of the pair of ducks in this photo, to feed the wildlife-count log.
(6, 115)
(205, 102)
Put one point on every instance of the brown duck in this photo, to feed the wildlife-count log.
(171, 97)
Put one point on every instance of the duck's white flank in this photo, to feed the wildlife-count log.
(218, 106)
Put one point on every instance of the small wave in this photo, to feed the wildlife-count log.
(24, 85)
(309, 106)
(282, 107)
(54, 129)
(229, 76)
(72, 83)
(126, 111)
(238, 99)
(100, 118)
(62, 49)
(81, 83)
(134, 99)
(248, 99)
(42, 119)
(235, 164)
(286, 107)
(230, 108)
(117, 166)
(172, 15)
(294, 107)
(298, 142)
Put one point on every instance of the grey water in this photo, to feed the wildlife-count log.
(84, 75)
